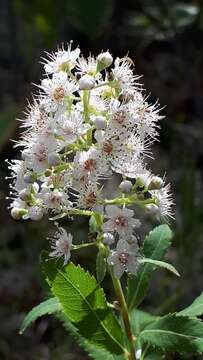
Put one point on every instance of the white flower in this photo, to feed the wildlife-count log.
(123, 74)
(70, 127)
(61, 60)
(89, 165)
(164, 201)
(36, 157)
(61, 244)
(148, 117)
(125, 258)
(156, 183)
(35, 213)
(87, 66)
(55, 199)
(18, 169)
(58, 87)
(120, 220)
(89, 196)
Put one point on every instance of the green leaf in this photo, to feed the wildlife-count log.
(195, 309)
(101, 264)
(155, 247)
(153, 355)
(93, 351)
(160, 264)
(173, 332)
(49, 306)
(84, 304)
(140, 319)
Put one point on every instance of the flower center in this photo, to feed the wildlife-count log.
(41, 154)
(91, 199)
(108, 147)
(65, 66)
(90, 164)
(66, 247)
(58, 93)
(119, 116)
(121, 221)
(123, 258)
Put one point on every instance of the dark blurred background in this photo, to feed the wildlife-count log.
(165, 40)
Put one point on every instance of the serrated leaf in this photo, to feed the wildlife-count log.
(101, 265)
(140, 319)
(155, 247)
(162, 264)
(173, 332)
(93, 351)
(84, 304)
(195, 309)
(50, 267)
(49, 306)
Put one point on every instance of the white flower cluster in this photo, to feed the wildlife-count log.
(88, 121)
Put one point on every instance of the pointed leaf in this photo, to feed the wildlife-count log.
(173, 332)
(140, 319)
(155, 247)
(84, 304)
(49, 306)
(93, 351)
(160, 264)
(195, 309)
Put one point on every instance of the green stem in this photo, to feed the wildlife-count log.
(129, 200)
(73, 212)
(124, 313)
(86, 97)
(86, 105)
(80, 246)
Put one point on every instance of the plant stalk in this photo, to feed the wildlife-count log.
(124, 313)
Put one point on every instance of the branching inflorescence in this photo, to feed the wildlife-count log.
(88, 122)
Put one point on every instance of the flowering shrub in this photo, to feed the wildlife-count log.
(89, 122)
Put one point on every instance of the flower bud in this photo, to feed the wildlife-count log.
(86, 82)
(17, 213)
(156, 183)
(100, 122)
(35, 213)
(54, 159)
(126, 186)
(104, 59)
(25, 195)
(152, 209)
(138, 354)
(29, 178)
(108, 238)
